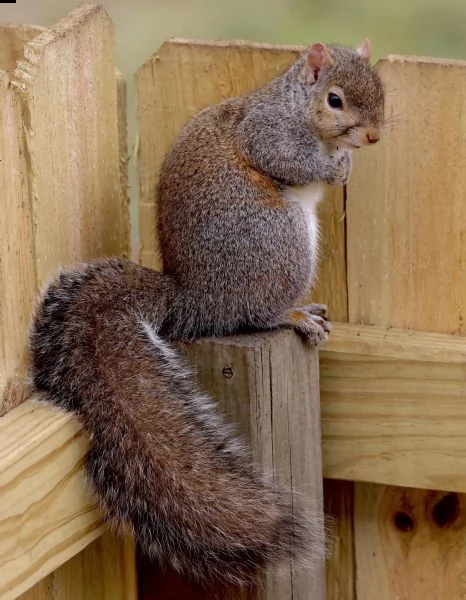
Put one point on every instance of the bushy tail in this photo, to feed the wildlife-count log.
(161, 461)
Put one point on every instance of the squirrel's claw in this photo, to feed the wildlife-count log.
(312, 327)
(319, 310)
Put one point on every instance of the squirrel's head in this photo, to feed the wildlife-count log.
(346, 108)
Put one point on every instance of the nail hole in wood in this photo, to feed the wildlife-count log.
(227, 372)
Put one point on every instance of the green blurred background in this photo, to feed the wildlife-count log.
(429, 27)
(423, 27)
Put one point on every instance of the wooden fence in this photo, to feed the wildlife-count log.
(63, 199)
(392, 376)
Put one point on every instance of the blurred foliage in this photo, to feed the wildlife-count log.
(426, 27)
(423, 27)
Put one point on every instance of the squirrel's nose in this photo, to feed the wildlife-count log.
(372, 136)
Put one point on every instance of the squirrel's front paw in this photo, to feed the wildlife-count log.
(314, 328)
(342, 168)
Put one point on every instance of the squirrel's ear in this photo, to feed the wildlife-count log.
(364, 50)
(318, 57)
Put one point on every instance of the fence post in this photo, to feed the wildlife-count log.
(268, 385)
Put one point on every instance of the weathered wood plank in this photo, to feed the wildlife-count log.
(67, 87)
(331, 276)
(180, 79)
(63, 190)
(122, 112)
(17, 270)
(268, 386)
(44, 496)
(12, 41)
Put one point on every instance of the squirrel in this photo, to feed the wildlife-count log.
(237, 223)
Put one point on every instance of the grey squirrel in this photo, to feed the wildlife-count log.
(239, 239)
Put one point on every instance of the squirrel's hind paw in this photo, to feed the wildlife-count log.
(310, 322)
(319, 310)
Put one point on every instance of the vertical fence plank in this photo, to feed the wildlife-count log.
(17, 279)
(174, 84)
(184, 77)
(406, 208)
(17, 271)
(409, 543)
(331, 277)
(122, 112)
(340, 570)
(406, 255)
(63, 190)
(68, 91)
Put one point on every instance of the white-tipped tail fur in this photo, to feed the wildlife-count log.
(162, 460)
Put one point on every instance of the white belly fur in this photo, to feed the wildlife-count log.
(308, 197)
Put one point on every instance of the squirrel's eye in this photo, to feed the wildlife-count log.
(335, 101)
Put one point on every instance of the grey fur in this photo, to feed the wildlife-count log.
(237, 256)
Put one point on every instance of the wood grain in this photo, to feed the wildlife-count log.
(63, 188)
(122, 112)
(409, 543)
(17, 270)
(103, 570)
(63, 196)
(43, 496)
(406, 256)
(68, 93)
(393, 407)
(12, 41)
(180, 79)
(405, 204)
(376, 427)
(331, 288)
(268, 386)
(341, 563)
